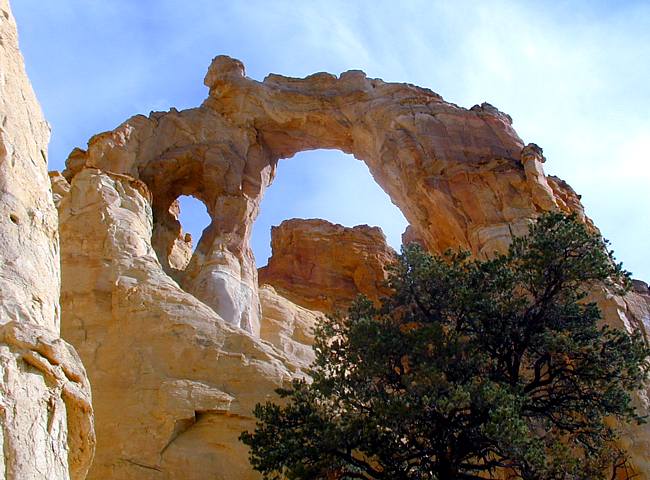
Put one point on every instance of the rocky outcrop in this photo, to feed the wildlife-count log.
(174, 384)
(323, 266)
(30, 281)
(638, 302)
(46, 412)
(60, 187)
(46, 422)
(175, 245)
(631, 312)
(178, 355)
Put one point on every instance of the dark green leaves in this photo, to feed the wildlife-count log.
(470, 368)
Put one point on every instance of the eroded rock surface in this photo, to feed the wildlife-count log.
(176, 246)
(30, 281)
(46, 422)
(176, 364)
(324, 266)
(456, 174)
(45, 406)
(631, 312)
(174, 384)
(288, 326)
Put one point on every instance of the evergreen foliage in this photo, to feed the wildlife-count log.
(471, 369)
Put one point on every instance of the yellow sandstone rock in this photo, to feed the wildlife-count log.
(174, 384)
(178, 354)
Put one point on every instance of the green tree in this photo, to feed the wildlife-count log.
(472, 368)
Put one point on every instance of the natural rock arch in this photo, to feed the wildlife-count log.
(457, 175)
(183, 381)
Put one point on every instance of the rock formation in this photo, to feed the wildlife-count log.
(178, 354)
(174, 383)
(183, 363)
(46, 421)
(287, 326)
(179, 346)
(323, 266)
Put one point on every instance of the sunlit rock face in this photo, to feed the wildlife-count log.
(179, 351)
(461, 177)
(46, 420)
(323, 266)
(174, 383)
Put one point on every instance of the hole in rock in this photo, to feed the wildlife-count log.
(325, 184)
(193, 216)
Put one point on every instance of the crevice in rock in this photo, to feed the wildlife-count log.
(141, 465)
(184, 424)
(4, 441)
(181, 426)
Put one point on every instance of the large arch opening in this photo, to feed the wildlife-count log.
(328, 185)
(325, 231)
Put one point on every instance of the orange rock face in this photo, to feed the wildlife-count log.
(323, 266)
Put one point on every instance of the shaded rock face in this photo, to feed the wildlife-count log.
(288, 326)
(323, 266)
(46, 420)
(179, 353)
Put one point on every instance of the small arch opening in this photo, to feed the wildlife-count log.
(177, 232)
(194, 217)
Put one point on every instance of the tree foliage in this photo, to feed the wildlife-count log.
(472, 368)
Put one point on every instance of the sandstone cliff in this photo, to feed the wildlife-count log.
(178, 356)
(174, 384)
(46, 422)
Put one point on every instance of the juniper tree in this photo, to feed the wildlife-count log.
(472, 368)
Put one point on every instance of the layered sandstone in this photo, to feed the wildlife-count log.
(177, 363)
(174, 384)
(458, 175)
(46, 423)
(324, 266)
(288, 326)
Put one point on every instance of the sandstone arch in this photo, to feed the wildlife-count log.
(186, 366)
(457, 175)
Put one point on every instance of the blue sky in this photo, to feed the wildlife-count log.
(573, 75)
